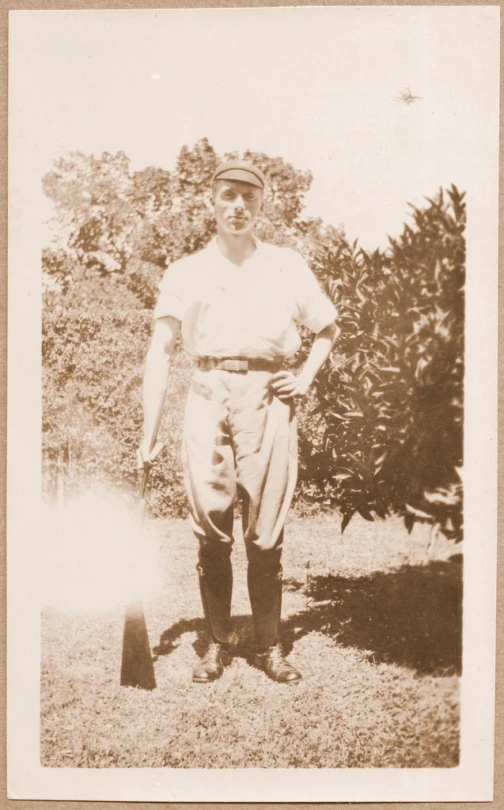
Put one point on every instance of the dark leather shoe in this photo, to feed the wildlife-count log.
(211, 666)
(276, 666)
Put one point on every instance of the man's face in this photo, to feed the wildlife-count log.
(236, 204)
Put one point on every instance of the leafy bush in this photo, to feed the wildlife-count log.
(392, 397)
(93, 365)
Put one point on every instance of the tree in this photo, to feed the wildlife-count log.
(131, 225)
(392, 398)
(93, 207)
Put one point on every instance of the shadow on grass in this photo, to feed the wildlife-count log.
(411, 617)
(242, 626)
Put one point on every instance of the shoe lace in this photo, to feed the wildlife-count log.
(212, 652)
(276, 657)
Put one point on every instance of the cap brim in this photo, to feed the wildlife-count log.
(242, 175)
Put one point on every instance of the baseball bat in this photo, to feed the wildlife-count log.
(137, 668)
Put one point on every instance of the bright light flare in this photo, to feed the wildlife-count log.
(94, 555)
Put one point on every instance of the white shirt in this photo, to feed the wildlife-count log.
(247, 311)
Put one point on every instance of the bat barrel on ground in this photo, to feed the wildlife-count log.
(137, 668)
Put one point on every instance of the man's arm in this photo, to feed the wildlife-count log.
(155, 380)
(285, 384)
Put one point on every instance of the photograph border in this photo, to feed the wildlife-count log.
(498, 800)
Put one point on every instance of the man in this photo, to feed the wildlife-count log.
(237, 301)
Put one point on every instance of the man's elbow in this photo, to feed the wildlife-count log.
(330, 332)
(159, 352)
(168, 347)
(164, 338)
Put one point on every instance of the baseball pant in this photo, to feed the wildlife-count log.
(239, 440)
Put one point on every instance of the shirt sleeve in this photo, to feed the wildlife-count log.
(313, 308)
(171, 294)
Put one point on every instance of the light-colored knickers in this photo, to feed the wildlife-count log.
(239, 439)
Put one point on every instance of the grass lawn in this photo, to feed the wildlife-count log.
(372, 623)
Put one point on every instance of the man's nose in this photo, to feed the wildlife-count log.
(239, 203)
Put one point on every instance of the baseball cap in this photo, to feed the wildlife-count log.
(241, 170)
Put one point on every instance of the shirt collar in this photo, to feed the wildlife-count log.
(257, 243)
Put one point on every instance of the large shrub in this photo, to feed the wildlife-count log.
(392, 397)
(93, 354)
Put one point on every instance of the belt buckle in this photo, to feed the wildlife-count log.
(235, 365)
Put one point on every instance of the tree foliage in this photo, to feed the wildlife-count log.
(381, 433)
(392, 397)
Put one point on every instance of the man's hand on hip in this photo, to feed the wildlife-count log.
(286, 385)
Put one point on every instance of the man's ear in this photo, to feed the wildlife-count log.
(214, 190)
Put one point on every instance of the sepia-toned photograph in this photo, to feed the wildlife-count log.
(241, 269)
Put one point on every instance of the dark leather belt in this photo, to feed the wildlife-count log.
(239, 364)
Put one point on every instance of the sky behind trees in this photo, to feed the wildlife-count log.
(321, 87)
